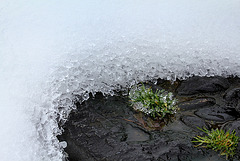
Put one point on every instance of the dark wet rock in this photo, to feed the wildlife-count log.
(197, 103)
(95, 132)
(216, 113)
(193, 121)
(136, 134)
(233, 125)
(108, 129)
(197, 85)
(232, 98)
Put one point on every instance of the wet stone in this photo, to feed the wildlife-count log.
(218, 114)
(197, 103)
(197, 85)
(97, 133)
(136, 134)
(108, 129)
(193, 121)
(232, 98)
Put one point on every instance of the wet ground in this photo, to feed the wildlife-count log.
(108, 129)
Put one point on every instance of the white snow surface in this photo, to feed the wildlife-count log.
(53, 53)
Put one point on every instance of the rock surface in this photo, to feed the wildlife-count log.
(232, 98)
(108, 129)
(197, 103)
(196, 85)
(193, 121)
(218, 114)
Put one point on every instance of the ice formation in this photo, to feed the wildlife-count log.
(54, 53)
(163, 100)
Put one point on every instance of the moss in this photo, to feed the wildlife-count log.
(155, 104)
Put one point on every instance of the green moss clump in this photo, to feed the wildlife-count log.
(155, 104)
(218, 140)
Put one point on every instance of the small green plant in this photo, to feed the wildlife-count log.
(218, 140)
(155, 104)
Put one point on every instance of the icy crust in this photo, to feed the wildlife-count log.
(116, 68)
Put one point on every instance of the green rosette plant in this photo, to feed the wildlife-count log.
(218, 140)
(156, 104)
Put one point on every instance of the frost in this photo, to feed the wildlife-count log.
(63, 144)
